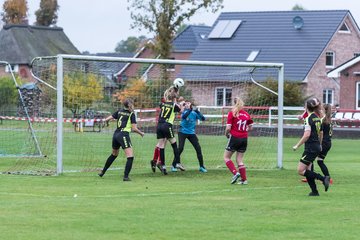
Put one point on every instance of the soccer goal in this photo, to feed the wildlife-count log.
(76, 94)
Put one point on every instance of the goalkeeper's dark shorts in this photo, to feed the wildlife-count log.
(164, 130)
(236, 144)
(121, 139)
(310, 153)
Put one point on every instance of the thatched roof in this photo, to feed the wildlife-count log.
(19, 44)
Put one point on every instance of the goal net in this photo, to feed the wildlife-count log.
(65, 129)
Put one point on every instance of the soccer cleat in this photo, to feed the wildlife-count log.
(126, 179)
(326, 183)
(173, 169)
(153, 165)
(101, 174)
(314, 194)
(235, 178)
(304, 180)
(181, 167)
(159, 166)
(242, 182)
(203, 170)
(164, 170)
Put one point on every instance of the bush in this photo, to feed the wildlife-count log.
(292, 94)
(8, 92)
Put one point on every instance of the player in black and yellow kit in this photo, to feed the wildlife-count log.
(326, 135)
(311, 139)
(164, 130)
(125, 122)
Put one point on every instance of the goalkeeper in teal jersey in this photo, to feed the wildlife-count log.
(189, 117)
(125, 122)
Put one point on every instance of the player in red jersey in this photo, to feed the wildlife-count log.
(238, 124)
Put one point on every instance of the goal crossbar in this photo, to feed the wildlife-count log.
(60, 75)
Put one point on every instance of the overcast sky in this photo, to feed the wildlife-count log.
(98, 25)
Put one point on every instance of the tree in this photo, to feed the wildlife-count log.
(15, 12)
(164, 17)
(137, 90)
(46, 15)
(81, 90)
(181, 28)
(298, 7)
(130, 45)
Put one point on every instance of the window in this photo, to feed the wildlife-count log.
(224, 29)
(344, 28)
(85, 67)
(170, 67)
(330, 59)
(14, 68)
(252, 56)
(223, 96)
(358, 95)
(328, 96)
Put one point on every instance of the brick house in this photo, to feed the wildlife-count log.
(19, 44)
(309, 43)
(348, 77)
(183, 46)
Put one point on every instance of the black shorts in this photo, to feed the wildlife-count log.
(164, 130)
(121, 139)
(310, 153)
(325, 149)
(236, 144)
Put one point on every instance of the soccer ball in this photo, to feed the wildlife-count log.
(178, 82)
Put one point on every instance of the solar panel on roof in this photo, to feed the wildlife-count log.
(225, 29)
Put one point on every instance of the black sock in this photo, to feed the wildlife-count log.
(313, 175)
(128, 166)
(108, 163)
(176, 154)
(312, 167)
(312, 184)
(162, 156)
(201, 161)
(323, 167)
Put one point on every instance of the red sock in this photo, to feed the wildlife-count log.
(242, 171)
(156, 154)
(231, 167)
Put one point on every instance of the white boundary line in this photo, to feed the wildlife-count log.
(240, 188)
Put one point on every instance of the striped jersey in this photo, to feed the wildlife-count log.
(124, 120)
(167, 112)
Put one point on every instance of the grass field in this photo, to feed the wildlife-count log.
(186, 205)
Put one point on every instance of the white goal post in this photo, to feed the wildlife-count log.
(53, 122)
(60, 76)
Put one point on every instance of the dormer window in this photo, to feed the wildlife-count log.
(330, 59)
(344, 28)
(224, 29)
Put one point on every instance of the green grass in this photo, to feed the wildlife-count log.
(186, 205)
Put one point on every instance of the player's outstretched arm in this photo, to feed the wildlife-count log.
(109, 118)
(134, 128)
